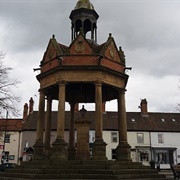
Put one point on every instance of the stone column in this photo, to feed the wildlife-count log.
(71, 148)
(96, 34)
(72, 32)
(98, 110)
(123, 149)
(38, 147)
(59, 146)
(92, 31)
(99, 146)
(48, 126)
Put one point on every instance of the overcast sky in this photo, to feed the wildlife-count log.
(147, 30)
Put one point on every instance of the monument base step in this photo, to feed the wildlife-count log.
(81, 170)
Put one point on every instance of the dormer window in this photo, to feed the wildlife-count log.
(133, 120)
(162, 120)
(173, 120)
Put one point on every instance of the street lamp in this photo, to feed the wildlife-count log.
(3, 154)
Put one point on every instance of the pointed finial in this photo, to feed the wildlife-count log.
(81, 30)
(53, 36)
(110, 34)
(122, 55)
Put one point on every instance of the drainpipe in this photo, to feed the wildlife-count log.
(18, 147)
(150, 145)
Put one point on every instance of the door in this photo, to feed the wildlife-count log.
(171, 157)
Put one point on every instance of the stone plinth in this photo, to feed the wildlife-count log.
(82, 126)
(99, 150)
(123, 152)
(71, 153)
(38, 150)
(59, 150)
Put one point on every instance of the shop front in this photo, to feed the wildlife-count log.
(164, 157)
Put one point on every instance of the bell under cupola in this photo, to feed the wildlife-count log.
(84, 19)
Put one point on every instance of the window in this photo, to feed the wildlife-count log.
(162, 158)
(26, 144)
(113, 137)
(93, 137)
(7, 138)
(160, 139)
(11, 157)
(140, 138)
(143, 155)
(5, 157)
(113, 154)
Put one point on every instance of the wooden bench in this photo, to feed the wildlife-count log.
(176, 171)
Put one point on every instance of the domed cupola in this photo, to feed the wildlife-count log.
(84, 4)
(84, 18)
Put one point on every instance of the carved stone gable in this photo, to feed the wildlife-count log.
(111, 51)
(80, 46)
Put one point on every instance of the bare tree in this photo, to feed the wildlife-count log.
(8, 100)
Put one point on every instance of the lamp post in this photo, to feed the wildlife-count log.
(3, 154)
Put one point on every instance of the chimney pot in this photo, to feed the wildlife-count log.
(31, 104)
(25, 111)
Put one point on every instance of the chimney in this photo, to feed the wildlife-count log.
(25, 111)
(31, 104)
(143, 106)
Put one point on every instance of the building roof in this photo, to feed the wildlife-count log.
(10, 124)
(155, 122)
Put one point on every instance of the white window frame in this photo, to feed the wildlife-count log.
(160, 138)
(114, 137)
(140, 138)
(7, 137)
(113, 154)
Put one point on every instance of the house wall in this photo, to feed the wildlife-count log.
(29, 137)
(137, 149)
(171, 143)
(13, 147)
(110, 145)
(132, 139)
(171, 140)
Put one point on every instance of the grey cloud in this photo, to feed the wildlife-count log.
(33, 23)
(148, 32)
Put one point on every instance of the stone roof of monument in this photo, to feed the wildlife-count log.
(96, 48)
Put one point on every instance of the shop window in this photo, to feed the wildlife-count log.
(143, 155)
(7, 138)
(5, 157)
(26, 144)
(113, 152)
(93, 137)
(11, 157)
(162, 158)
(140, 138)
(114, 137)
(160, 139)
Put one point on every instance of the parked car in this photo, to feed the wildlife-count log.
(5, 166)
